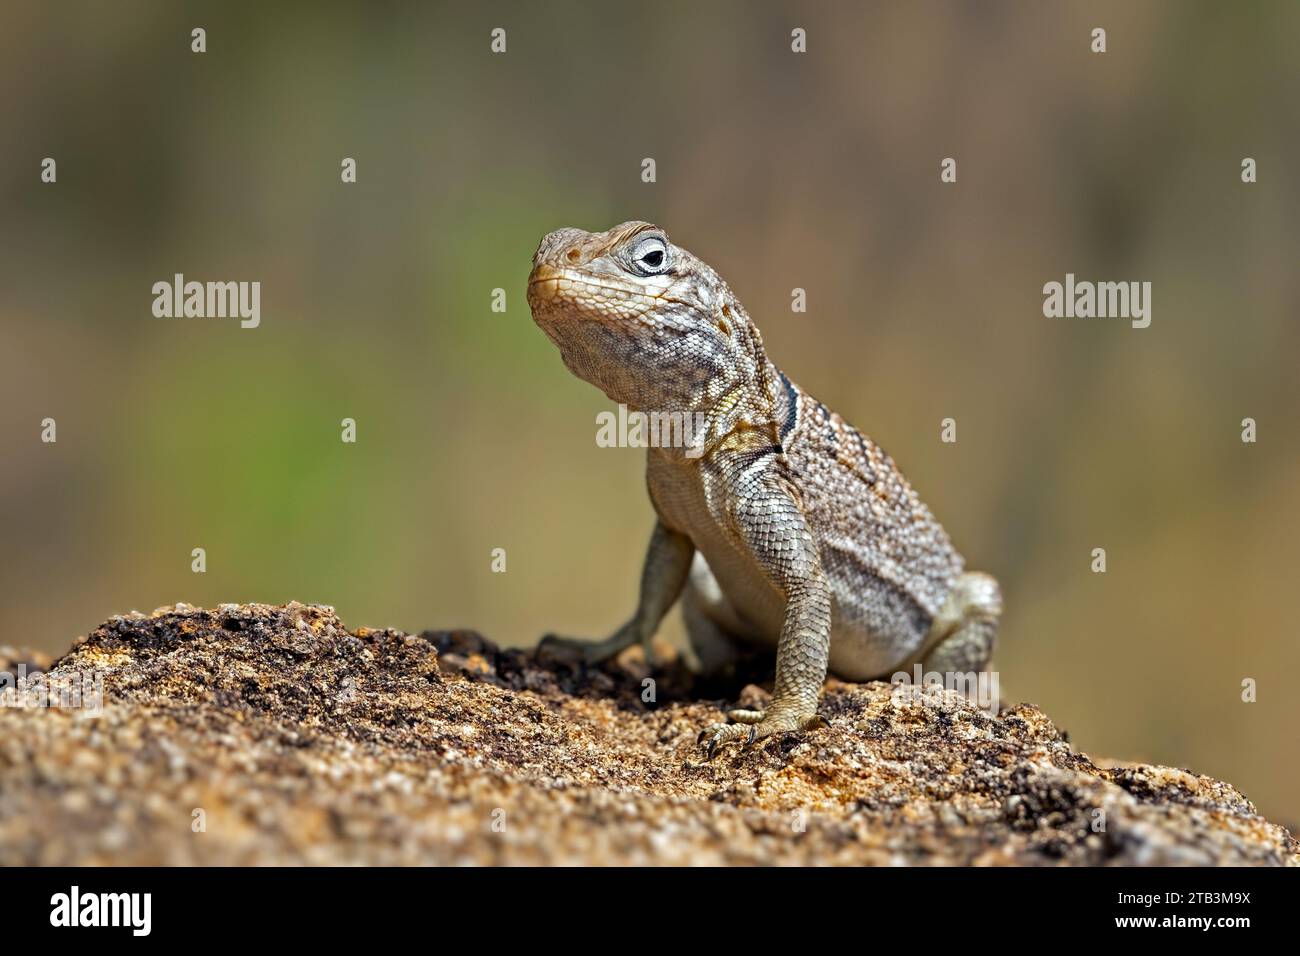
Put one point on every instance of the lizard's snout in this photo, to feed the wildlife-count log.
(543, 283)
(562, 245)
(558, 249)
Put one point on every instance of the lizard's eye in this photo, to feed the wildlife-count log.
(650, 255)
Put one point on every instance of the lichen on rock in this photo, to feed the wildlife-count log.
(251, 734)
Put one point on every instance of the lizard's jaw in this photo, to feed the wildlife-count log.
(556, 293)
(602, 327)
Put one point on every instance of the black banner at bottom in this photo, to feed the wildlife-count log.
(338, 905)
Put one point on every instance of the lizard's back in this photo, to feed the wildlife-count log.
(890, 563)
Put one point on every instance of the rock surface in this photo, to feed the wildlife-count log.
(272, 735)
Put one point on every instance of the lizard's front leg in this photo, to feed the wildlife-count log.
(768, 522)
(667, 561)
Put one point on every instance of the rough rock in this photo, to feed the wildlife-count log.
(273, 735)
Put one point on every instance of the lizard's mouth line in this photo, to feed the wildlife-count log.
(545, 272)
(554, 279)
(547, 298)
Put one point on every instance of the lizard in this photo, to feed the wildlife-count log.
(782, 525)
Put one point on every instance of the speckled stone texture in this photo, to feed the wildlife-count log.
(302, 742)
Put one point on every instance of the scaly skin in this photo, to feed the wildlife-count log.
(783, 525)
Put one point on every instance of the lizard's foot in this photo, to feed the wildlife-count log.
(595, 652)
(755, 725)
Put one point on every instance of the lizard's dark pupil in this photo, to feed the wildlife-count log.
(654, 258)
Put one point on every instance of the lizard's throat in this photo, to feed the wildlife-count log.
(634, 367)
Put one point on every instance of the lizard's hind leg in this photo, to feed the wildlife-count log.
(962, 636)
(711, 621)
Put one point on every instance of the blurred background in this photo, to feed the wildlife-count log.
(819, 171)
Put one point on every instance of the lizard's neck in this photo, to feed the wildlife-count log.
(750, 416)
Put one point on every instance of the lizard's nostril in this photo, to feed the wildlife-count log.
(574, 255)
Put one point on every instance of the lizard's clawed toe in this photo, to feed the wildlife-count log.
(714, 734)
(753, 726)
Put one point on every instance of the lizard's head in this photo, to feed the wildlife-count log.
(643, 320)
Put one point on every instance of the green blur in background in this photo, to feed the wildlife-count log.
(818, 171)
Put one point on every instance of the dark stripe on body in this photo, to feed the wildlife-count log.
(791, 406)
